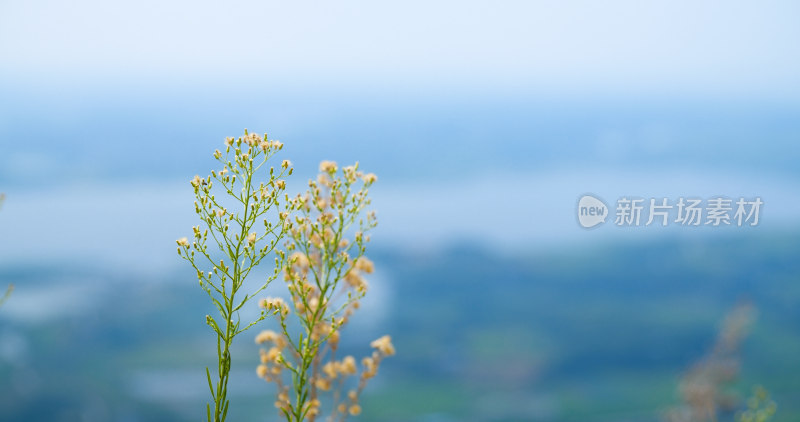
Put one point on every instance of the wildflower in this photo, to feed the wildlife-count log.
(354, 279)
(286, 163)
(330, 369)
(365, 265)
(313, 407)
(327, 166)
(300, 259)
(251, 139)
(224, 279)
(348, 366)
(370, 367)
(384, 345)
(313, 304)
(323, 384)
(274, 352)
(318, 269)
(370, 178)
(350, 173)
(265, 336)
(277, 305)
(324, 180)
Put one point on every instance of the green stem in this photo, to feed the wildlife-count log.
(224, 358)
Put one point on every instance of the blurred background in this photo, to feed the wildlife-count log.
(485, 122)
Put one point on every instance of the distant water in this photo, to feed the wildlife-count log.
(99, 175)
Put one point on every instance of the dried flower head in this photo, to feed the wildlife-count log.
(384, 345)
(324, 274)
(327, 167)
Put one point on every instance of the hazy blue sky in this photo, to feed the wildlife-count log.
(683, 48)
(457, 105)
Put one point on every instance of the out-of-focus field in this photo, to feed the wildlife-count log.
(594, 334)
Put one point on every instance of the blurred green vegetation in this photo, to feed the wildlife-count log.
(594, 334)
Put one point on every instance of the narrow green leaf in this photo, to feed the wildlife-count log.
(210, 386)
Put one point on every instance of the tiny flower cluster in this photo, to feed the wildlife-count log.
(327, 242)
(332, 376)
(327, 230)
(276, 305)
(228, 244)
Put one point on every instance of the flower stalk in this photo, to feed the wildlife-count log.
(239, 229)
(324, 275)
